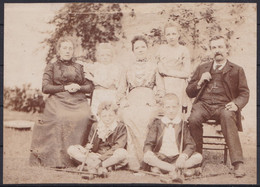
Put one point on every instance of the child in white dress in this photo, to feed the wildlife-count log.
(174, 64)
(105, 75)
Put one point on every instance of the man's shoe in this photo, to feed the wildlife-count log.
(239, 170)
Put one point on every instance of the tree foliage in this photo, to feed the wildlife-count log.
(91, 22)
(199, 24)
(23, 99)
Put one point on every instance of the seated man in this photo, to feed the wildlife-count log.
(162, 148)
(221, 91)
(106, 142)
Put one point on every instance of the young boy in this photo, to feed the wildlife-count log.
(108, 137)
(174, 64)
(162, 148)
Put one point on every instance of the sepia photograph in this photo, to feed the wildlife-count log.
(160, 93)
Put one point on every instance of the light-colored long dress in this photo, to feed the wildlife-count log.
(177, 59)
(139, 81)
(106, 81)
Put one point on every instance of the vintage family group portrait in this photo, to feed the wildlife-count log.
(130, 93)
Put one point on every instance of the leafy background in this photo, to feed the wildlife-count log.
(32, 30)
(95, 22)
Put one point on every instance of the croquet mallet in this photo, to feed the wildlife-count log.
(88, 151)
(184, 112)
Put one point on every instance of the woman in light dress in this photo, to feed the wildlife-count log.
(174, 64)
(105, 74)
(138, 99)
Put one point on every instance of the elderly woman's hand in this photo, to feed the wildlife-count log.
(72, 88)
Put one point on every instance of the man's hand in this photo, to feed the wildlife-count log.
(180, 162)
(204, 77)
(231, 107)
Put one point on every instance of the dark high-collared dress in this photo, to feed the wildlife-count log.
(66, 118)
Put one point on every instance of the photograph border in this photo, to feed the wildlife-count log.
(118, 1)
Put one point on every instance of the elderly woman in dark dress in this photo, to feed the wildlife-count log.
(66, 118)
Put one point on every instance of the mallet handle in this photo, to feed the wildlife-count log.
(86, 155)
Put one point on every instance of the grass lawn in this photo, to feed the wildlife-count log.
(16, 169)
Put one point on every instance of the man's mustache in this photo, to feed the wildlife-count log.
(218, 54)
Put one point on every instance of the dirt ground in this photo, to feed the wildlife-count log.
(16, 169)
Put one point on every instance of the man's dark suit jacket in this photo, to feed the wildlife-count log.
(235, 85)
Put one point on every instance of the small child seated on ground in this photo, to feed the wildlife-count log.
(109, 142)
(163, 142)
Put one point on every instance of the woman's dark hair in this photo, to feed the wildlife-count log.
(137, 38)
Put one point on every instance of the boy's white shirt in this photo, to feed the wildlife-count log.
(169, 146)
(103, 132)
